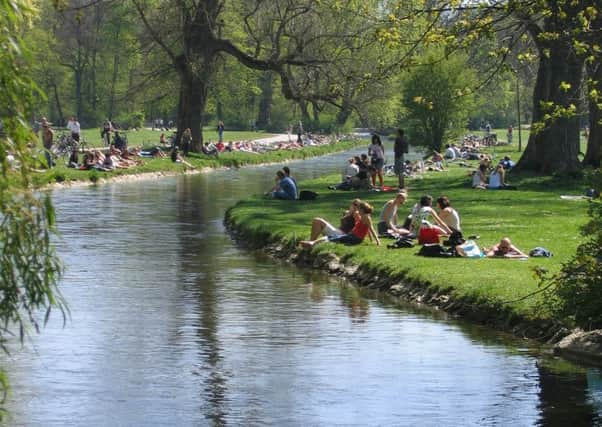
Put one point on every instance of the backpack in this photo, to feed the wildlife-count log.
(540, 252)
(455, 239)
(434, 250)
(307, 195)
(402, 242)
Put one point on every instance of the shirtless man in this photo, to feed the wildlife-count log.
(388, 217)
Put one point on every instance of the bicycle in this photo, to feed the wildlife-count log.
(66, 144)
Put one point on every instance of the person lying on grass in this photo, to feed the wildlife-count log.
(320, 226)
(363, 226)
(387, 225)
(505, 249)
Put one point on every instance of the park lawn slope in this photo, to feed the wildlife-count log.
(535, 215)
(63, 174)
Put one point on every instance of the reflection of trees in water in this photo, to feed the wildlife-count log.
(564, 399)
(195, 251)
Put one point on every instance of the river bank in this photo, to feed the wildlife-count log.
(502, 294)
(61, 175)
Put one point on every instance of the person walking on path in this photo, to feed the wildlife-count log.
(47, 141)
(220, 131)
(400, 148)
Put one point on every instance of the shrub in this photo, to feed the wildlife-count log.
(575, 293)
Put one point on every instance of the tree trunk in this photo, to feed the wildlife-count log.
(192, 102)
(315, 109)
(343, 114)
(265, 102)
(553, 144)
(115, 75)
(594, 141)
(555, 148)
(57, 100)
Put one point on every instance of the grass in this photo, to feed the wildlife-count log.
(146, 137)
(61, 173)
(535, 215)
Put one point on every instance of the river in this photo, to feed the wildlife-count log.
(173, 324)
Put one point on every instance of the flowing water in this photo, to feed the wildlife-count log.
(173, 324)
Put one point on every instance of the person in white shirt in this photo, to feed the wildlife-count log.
(350, 170)
(450, 154)
(74, 127)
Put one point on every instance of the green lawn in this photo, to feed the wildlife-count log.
(61, 173)
(146, 137)
(535, 215)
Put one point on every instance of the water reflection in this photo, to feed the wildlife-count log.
(172, 324)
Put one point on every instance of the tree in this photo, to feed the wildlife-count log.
(437, 97)
(29, 268)
(593, 47)
(554, 143)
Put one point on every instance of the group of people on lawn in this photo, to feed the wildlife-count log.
(423, 223)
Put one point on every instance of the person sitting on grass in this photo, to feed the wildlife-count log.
(320, 226)
(74, 159)
(479, 180)
(209, 149)
(497, 179)
(505, 249)
(285, 188)
(387, 225)
(287, 173)
(448, 214)
(177, 158)
(363, 227)
(422, 216)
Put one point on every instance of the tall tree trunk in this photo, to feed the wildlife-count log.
(594, 142)
(315, 109)
(194, 87)
(553, 144)
(78, 91)
(304, 114)
(115, 75)
(57, 101)
(343, 114)
(265, 101)
(555, 148)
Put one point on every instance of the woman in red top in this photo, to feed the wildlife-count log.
(363, 227)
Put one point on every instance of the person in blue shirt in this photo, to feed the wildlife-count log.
(285, 189)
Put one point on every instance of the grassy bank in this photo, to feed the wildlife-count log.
(61, 173)
(147, 137)
(535, 215)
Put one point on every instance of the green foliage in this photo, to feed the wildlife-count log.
(437, 98)
(29, 267)
(131, 120)
(575, 293)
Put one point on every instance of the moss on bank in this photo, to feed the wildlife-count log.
(491, 291)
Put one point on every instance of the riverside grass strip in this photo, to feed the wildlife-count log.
(532, 216)
(62, 174)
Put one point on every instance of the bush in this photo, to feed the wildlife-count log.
(575, 293)
(130, 120)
